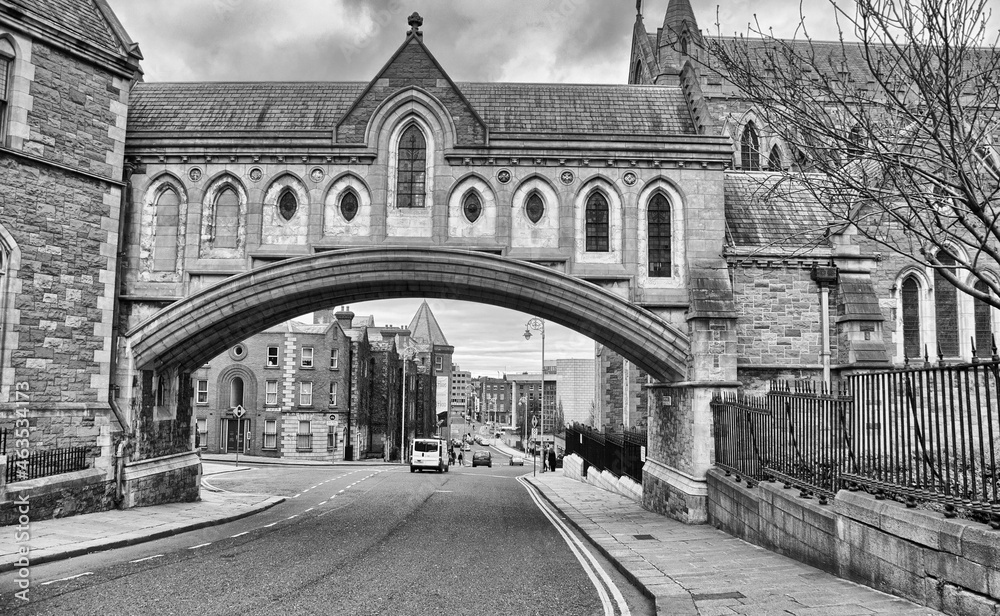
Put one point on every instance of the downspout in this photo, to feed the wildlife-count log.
(824, 276)
(125, 446)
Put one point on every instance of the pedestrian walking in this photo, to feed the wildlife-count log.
(461, 459)
(552, 458)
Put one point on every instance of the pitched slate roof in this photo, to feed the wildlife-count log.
(424, 328)
(760, 212)
(81, 18)
(315, 106)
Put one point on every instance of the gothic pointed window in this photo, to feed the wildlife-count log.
(349, 205)
(658, 236)
(984, 323)
(598, 228)
(946, 307)
(6, 72)
(167, 216)
(750, 148)
(774, 159)
(910, 304)
(534, 207)
(227, 218)
(287, 204)
(472, 206)
(412, 170)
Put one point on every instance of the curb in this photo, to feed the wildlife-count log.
(664, 603)
(128, 541)
(301, 465)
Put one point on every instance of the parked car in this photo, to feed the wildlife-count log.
(517, 460)
(482, 458)
(466, 447)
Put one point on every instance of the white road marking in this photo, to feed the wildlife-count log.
(297, 495)
(308, 510)
(139, 560)
(200, 545)
(292, 516)
(238, 534)
(72, 577)
(269, 525)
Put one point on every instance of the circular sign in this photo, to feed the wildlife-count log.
(534, 433)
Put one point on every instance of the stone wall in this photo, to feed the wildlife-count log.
(58, 496)
(170, 479)
(949, 565)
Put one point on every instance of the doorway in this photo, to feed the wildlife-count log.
(234, 435)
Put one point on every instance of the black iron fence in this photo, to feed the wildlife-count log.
(621, 453)
(3, 440)
(46, 463)
(918, 434)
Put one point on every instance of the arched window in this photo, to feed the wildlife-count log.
(684, 44)
(349, 205)
(637, 72)
(165, 231)
(287, 204)
(472, 206)
(984, 323)
(774, 159)
(750, 148)
(6, 73)
(597, 223)
(910, 300)
(412, 171)
(227, 218)
(534, 207)
(946, 307)
(658, 236)
(236, 392)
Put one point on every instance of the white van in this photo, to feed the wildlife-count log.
(429, 453)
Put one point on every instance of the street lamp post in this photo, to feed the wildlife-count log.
(408, 354)
(538, 325)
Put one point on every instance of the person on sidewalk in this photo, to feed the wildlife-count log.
(552, 459)
(544, 460)
(461, 459)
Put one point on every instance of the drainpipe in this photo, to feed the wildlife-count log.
(824, 276)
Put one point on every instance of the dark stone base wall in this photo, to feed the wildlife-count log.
(173, 486)
(58, 496)
(950, 565)
(660, 497)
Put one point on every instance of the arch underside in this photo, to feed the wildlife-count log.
(191, 331)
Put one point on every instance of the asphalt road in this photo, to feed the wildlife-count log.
(353, 540)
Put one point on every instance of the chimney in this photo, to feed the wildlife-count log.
(345, 318)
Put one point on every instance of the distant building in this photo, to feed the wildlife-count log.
(576, 389)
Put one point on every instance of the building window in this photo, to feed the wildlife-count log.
(438, 363)
(202, 392)
(270, 434)
(334, 359)
(910, 300)
(774, 159)
(534, 207)
(984, 323)
(201, 436)
(412, 171)
(598, 230)
(349, 205)
(272, 357)
(305, 394)
(472, 207)
(946, 308)
(271, 393)
(227, 218)
(750, 148)
(304, 440)
(658, 237)
(331, 436)
(236, 392)
(287, 204)
(6, 72)
(165, 232)
(307, 357)
(333, 394)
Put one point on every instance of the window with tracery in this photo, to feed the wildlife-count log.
(165, 231)
(349, 205)
(472, 206)
(946, 307)
(659, 236)
(910, 303)
(412, 168)
(774, 159)
(287, 204)
(227, 218)
(534, 207)
(750, 148)
(598, 227)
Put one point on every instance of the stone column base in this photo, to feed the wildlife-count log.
(673, 493)
(170, 479)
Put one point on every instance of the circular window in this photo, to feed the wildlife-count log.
(238, 352)
(287, 204)
(349, 206)
(503, 176)
(534, 208)
(256, 174)
(472, 207)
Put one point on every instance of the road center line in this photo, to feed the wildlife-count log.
(139, 560)
(269, 525)
(239, 534)
(200, 545)
(72, 577)
(308, 510)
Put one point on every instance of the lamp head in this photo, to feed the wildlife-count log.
(527, 334)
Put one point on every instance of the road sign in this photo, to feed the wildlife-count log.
(534, 433)
(534, 420)
(239, 411)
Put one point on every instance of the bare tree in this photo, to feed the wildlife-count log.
(891, 127)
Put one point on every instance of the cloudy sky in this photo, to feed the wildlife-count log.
(566, 41)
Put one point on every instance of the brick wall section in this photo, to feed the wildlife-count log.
(412, 67)
(946, 564)
(71, 112)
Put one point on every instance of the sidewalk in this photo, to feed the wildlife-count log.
(93, 532)
(701, 570)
